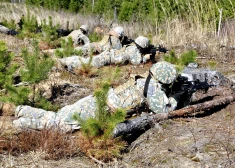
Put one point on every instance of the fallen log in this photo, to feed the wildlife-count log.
(148, 120)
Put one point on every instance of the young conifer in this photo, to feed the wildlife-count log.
(36, 68)
(98, 130)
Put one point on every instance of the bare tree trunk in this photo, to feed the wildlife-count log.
(143, 122)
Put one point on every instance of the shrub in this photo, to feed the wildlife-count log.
(29, 25)
(94, 37)
(97, 132)
(184, 59)
(188, 57)
(49, 31)
(9, 24)
(171, 58)
(67, 48)
(37, 67)
(212, 64)
(86, 69)
(17, 95)
(6, 68)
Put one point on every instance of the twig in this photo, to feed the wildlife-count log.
(97, 161)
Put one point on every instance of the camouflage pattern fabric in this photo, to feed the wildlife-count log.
(112, 43)
(34, 118)
(119, 56)
(164, 72)
(127, 96)
(85, 108)
(81, 39)
(105, 44)
(160, 103)
(4, 29)
(77, 36)
(101, 60)
(77, 61)
(126, 54)
(88, 48)
(157, 100)
(73, 62)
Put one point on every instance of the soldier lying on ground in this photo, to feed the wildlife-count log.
(136, 53)
(138, 92)
(7, 31)
(79, 36)
(114, 40)
(110, 41)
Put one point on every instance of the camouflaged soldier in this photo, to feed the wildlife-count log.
(147, 90)
(128, 96)
(128, 54)
(7, 31)
(79, 36)
(29, 117)
(4, 29)
(110, 41)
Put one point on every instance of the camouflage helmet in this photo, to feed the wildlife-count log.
(164, 72)
(84, 27)
(142, 41)
(119, 30)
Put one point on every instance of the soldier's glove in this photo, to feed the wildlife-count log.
(146, 57)
(179, 96)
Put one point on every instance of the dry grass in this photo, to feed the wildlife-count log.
(104, 150)
(177, 34)
(55, 143)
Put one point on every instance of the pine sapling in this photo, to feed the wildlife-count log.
(36, 69)
(97, 131)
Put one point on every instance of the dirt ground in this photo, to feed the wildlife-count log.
(206, 141)
(195, 142)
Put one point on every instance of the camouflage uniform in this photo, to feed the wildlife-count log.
(110, 41)
(4, 29)
(127, 96)
(129, 53)
(29, 117)
(79, 36)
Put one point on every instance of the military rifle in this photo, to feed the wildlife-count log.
(153, 50)
(159, 48)
(185, 89)
(126, 41)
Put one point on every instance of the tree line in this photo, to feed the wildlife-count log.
(139, 10)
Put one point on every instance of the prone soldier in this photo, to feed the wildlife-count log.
(135, 53)
(139, 91)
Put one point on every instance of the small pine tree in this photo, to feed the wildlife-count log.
(67, 49)
(29, 25)
(188, 57)
(6, 70)
(9, 24)
(98, 130)
(36, 69)
(171, 58)
(94, 37)
(184, 59)
(17, 95)
(49, 31)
